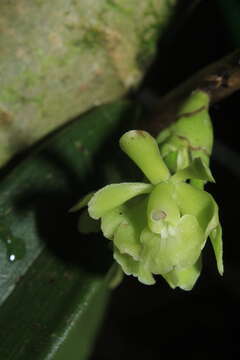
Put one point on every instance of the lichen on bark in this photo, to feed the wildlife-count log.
(60, 58)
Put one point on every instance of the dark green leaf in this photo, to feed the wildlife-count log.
(56, 293)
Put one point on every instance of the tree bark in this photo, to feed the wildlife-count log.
(59, 58)
(219, 80)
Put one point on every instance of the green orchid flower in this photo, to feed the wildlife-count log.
(159, 227)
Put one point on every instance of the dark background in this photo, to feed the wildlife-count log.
(152, 322)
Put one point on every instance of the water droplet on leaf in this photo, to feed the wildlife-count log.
(15, 246)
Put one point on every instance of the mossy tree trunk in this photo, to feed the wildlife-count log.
(62, 57)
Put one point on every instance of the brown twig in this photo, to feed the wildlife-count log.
(219, 80)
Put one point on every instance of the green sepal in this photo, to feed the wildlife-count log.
(145, 276)
(115, 195)
(196, 170)
(111, 220)
(202, 154)
(127, 263)
(127, 241)
(143, 149)
(127, 234)
(162, 208)
(216, 240)
(133, 267)
(198, 203)
(184, 278)
(82, 203)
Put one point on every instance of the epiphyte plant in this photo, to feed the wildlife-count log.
(160, 227)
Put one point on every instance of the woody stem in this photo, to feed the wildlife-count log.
(219, 80)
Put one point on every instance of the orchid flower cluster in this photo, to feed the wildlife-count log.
(160, 227)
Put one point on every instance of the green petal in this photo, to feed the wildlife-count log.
(111, 220)
(86, 224)
(162, 207)
(114, 195)
(184, 278)
(143, 149)
(202, 155)
(127, 263)
(127, 234)
(133, 267)
(82, 203)
(196, 170)
(127, 241)
(216, 240)
(179, 247)
(144, 275)
(198, 203)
